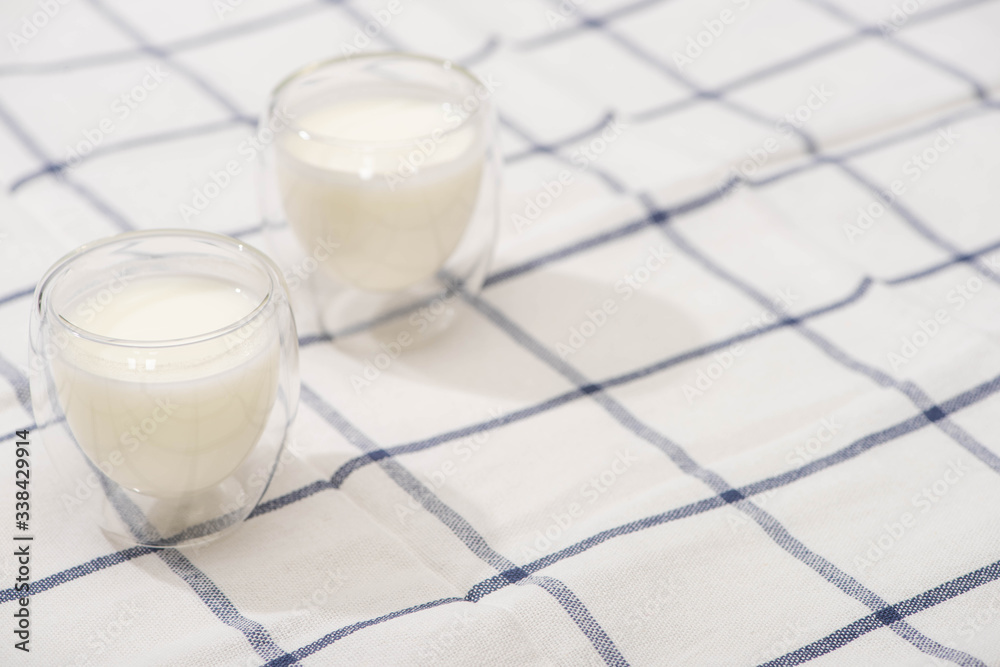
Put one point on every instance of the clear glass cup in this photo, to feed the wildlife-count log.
(164, 381)
(380, 184)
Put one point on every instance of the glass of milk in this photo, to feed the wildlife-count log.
(381, 184)
(164, 381)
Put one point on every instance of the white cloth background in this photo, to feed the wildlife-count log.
(733, 468)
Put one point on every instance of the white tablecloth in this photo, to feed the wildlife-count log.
(728, 398)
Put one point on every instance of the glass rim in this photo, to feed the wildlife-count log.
(318, 65)
(263, 262)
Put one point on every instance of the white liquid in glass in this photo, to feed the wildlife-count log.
(168, 420)
(396, 206)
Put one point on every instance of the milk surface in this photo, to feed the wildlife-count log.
(165, 419)
(397, 206)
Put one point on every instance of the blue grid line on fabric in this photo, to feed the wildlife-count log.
(925, 644)
(751, 78)
(330, 638)
(556, 144)
(191, 573)
(908, 607)
(115, 19)
(213, 598)
(612, 183)
(917, 396)
(368, 324)
(14, 296)
(267, 22)
(90, 567)
(482, 53)
(585, 24)
(908, 216)
(716, 193)
(909, 389)
(598, 637)
(503, 579)
(942, 266)
(655, 62)
(600, 640)
(886, 615)
(358, 462)
(856, 448)
(752, 115)
(462, 529)
(674, 75)
(656, 217)
(712, 195)
(979, 108)
(207, 591)
(34, 148)
(797, 61)
(124, 145)
(220, 605)
(96, 60)
(953, 405)
(846, 17)
(771, 526)
(133, 143)
(800, 59)
(660, 216)
(921, 227)
(18, 381)
(13, 434)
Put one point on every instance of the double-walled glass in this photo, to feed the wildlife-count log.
(164, 438)
(380, 183)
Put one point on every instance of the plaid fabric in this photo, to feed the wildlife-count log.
(726, 399)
